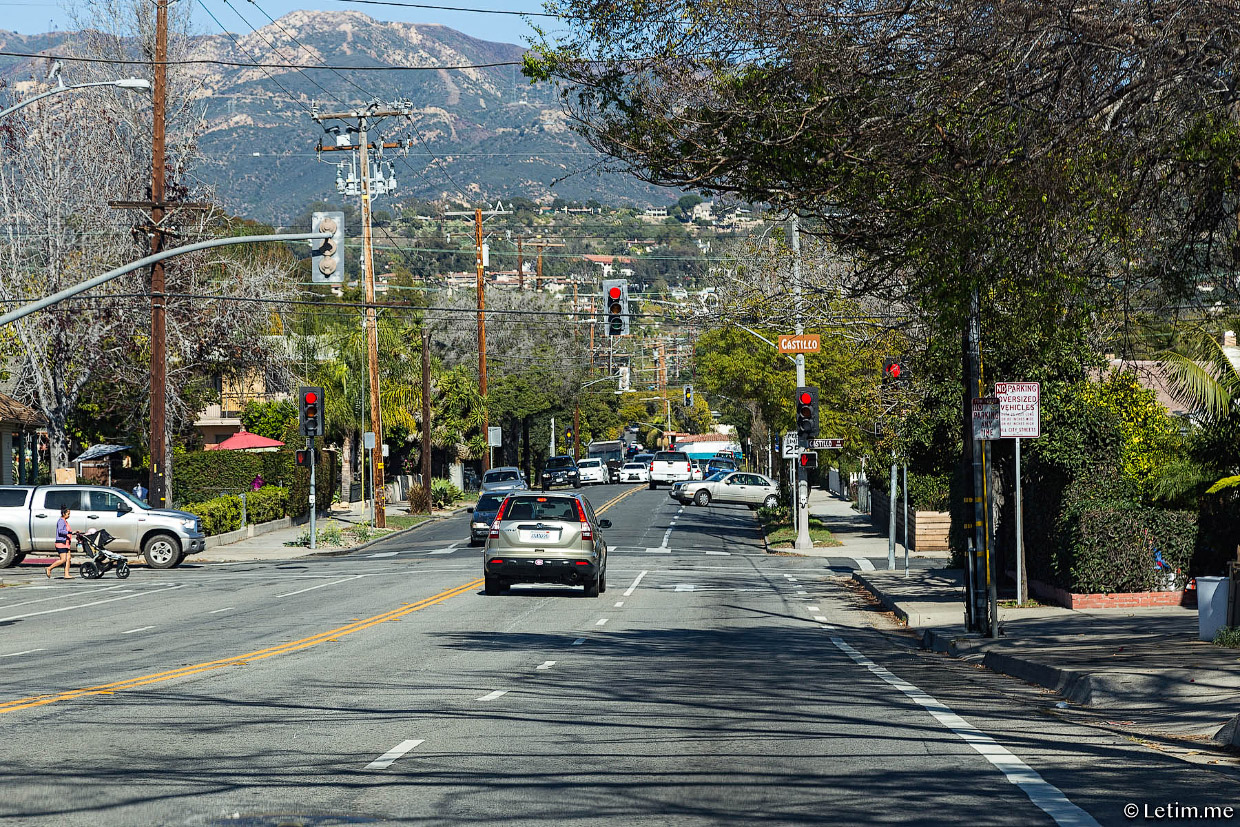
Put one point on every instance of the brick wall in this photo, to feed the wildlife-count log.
(1123, 600)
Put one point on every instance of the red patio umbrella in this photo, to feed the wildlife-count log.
(246, 441)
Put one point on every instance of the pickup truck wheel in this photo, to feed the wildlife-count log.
(702, 498)
(162, 551)
(9, 555)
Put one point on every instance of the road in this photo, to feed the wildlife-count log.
(711, 684)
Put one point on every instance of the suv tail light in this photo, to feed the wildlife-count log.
(587, 533)
(499, 515)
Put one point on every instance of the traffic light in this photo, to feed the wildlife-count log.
(809, 459)
(688, 396)
(327, 264)
(893, 371)
(302, 457)
(568, 434)
(805, 404)
(310, 412)
(616, 304)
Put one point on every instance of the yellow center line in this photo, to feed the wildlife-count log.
(239, 660)
(260, 654)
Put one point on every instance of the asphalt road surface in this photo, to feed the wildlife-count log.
(711, 684)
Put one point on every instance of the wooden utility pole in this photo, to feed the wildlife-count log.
(363, 117)
(426, 414)
(159, 335)
(540, 244)
(577, 431)
(520, 264)
(482, 338)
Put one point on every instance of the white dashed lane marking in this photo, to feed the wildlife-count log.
(490, 696)
(385, 760)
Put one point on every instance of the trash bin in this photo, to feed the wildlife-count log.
(1211, 606)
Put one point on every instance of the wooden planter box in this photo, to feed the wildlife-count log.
(927, 530)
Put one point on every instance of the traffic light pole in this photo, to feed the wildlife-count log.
(803, 540)
(313, 535)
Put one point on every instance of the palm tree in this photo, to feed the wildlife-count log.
(1206, 373)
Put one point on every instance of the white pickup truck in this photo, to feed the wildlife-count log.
(668, 467)
(28, 515)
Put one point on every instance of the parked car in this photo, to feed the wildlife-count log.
(634, 472)
(482, 514)
(28, 515)
(697, 467)
(561, 470)
(668, 467)
(593, 471)
(738, 487)
(720, 464)
(504, 478)
(546, 538)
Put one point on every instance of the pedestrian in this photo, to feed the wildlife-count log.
(63, 532)
(139, 491)
(257, 483)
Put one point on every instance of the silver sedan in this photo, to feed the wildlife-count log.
(737, 487)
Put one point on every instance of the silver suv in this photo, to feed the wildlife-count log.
(546, 538)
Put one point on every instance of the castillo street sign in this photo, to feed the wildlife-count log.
(805, 343)
(825, 444)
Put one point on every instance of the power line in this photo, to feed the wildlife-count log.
(451, 8)
(203, 61)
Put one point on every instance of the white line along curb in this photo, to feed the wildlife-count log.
(1049, 798)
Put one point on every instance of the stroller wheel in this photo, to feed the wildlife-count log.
(122, 570)
(89, 570)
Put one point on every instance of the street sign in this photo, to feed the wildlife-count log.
(825, 444)
(804, 343)
(368, 440)
(495, 436)
(985, 417)
(790, 446)
(1020, 414)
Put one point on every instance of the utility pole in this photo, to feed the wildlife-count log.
(482, 336)
(983, 608)
(520, 264)
(159, 334)
(801, 489)
(367, 183)
(540, 244)
(426, 413)
(577, 431)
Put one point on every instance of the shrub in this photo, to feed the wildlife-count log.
(929, 492)
(444, 493)
(269, 419)
(267, 503)
(1228, 636)
(219, 515)
(1106, 542)
(198, 476)
(419, 503)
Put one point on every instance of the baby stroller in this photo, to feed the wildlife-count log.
(94, 545)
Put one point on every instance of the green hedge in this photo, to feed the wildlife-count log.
(219, 515)
(1105, 541)
(444, 493)
(200, 476)
(266, 504)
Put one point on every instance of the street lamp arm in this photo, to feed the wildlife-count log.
(69, 292)
(123, 83)
(768, 341)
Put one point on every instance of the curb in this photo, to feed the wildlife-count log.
(343, 551)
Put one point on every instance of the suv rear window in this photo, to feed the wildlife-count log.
(489, 502)
(13, 497)
(671, 456)
(541, 508)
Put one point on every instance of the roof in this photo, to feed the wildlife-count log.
(101, 451)
(1151, 375)
(245, 441)
(12, 411)
(608, 259)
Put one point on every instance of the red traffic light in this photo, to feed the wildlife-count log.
(893, 370)
(614, 293)
(805, 398)
(311, 398)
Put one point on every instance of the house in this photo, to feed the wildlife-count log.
(607, 265)
(704, 212)
(20, 429)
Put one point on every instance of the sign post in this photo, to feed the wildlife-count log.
(1020, 417)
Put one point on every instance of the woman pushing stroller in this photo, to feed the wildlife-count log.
(63, 533)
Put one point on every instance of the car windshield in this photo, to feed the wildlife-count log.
(718, 475)
(489, 502)
(130, 498)
(560, 462)
(635, 466)
(542, 508)
(500, 476)
(588, 463)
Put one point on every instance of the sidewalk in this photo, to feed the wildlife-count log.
(271, 546)
(860, 539)
(1143, 669)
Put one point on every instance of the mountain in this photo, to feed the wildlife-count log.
(478, 134)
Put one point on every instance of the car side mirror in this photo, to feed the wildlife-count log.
(604, 523)
(123, 508)
(469, 510)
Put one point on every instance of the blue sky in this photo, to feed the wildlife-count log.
(28, 17)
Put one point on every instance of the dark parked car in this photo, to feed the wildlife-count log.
(482, 515)
(561, 470)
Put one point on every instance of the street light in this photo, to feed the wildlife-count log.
(129, 84)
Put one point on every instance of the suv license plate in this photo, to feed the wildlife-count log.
(539, 535)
